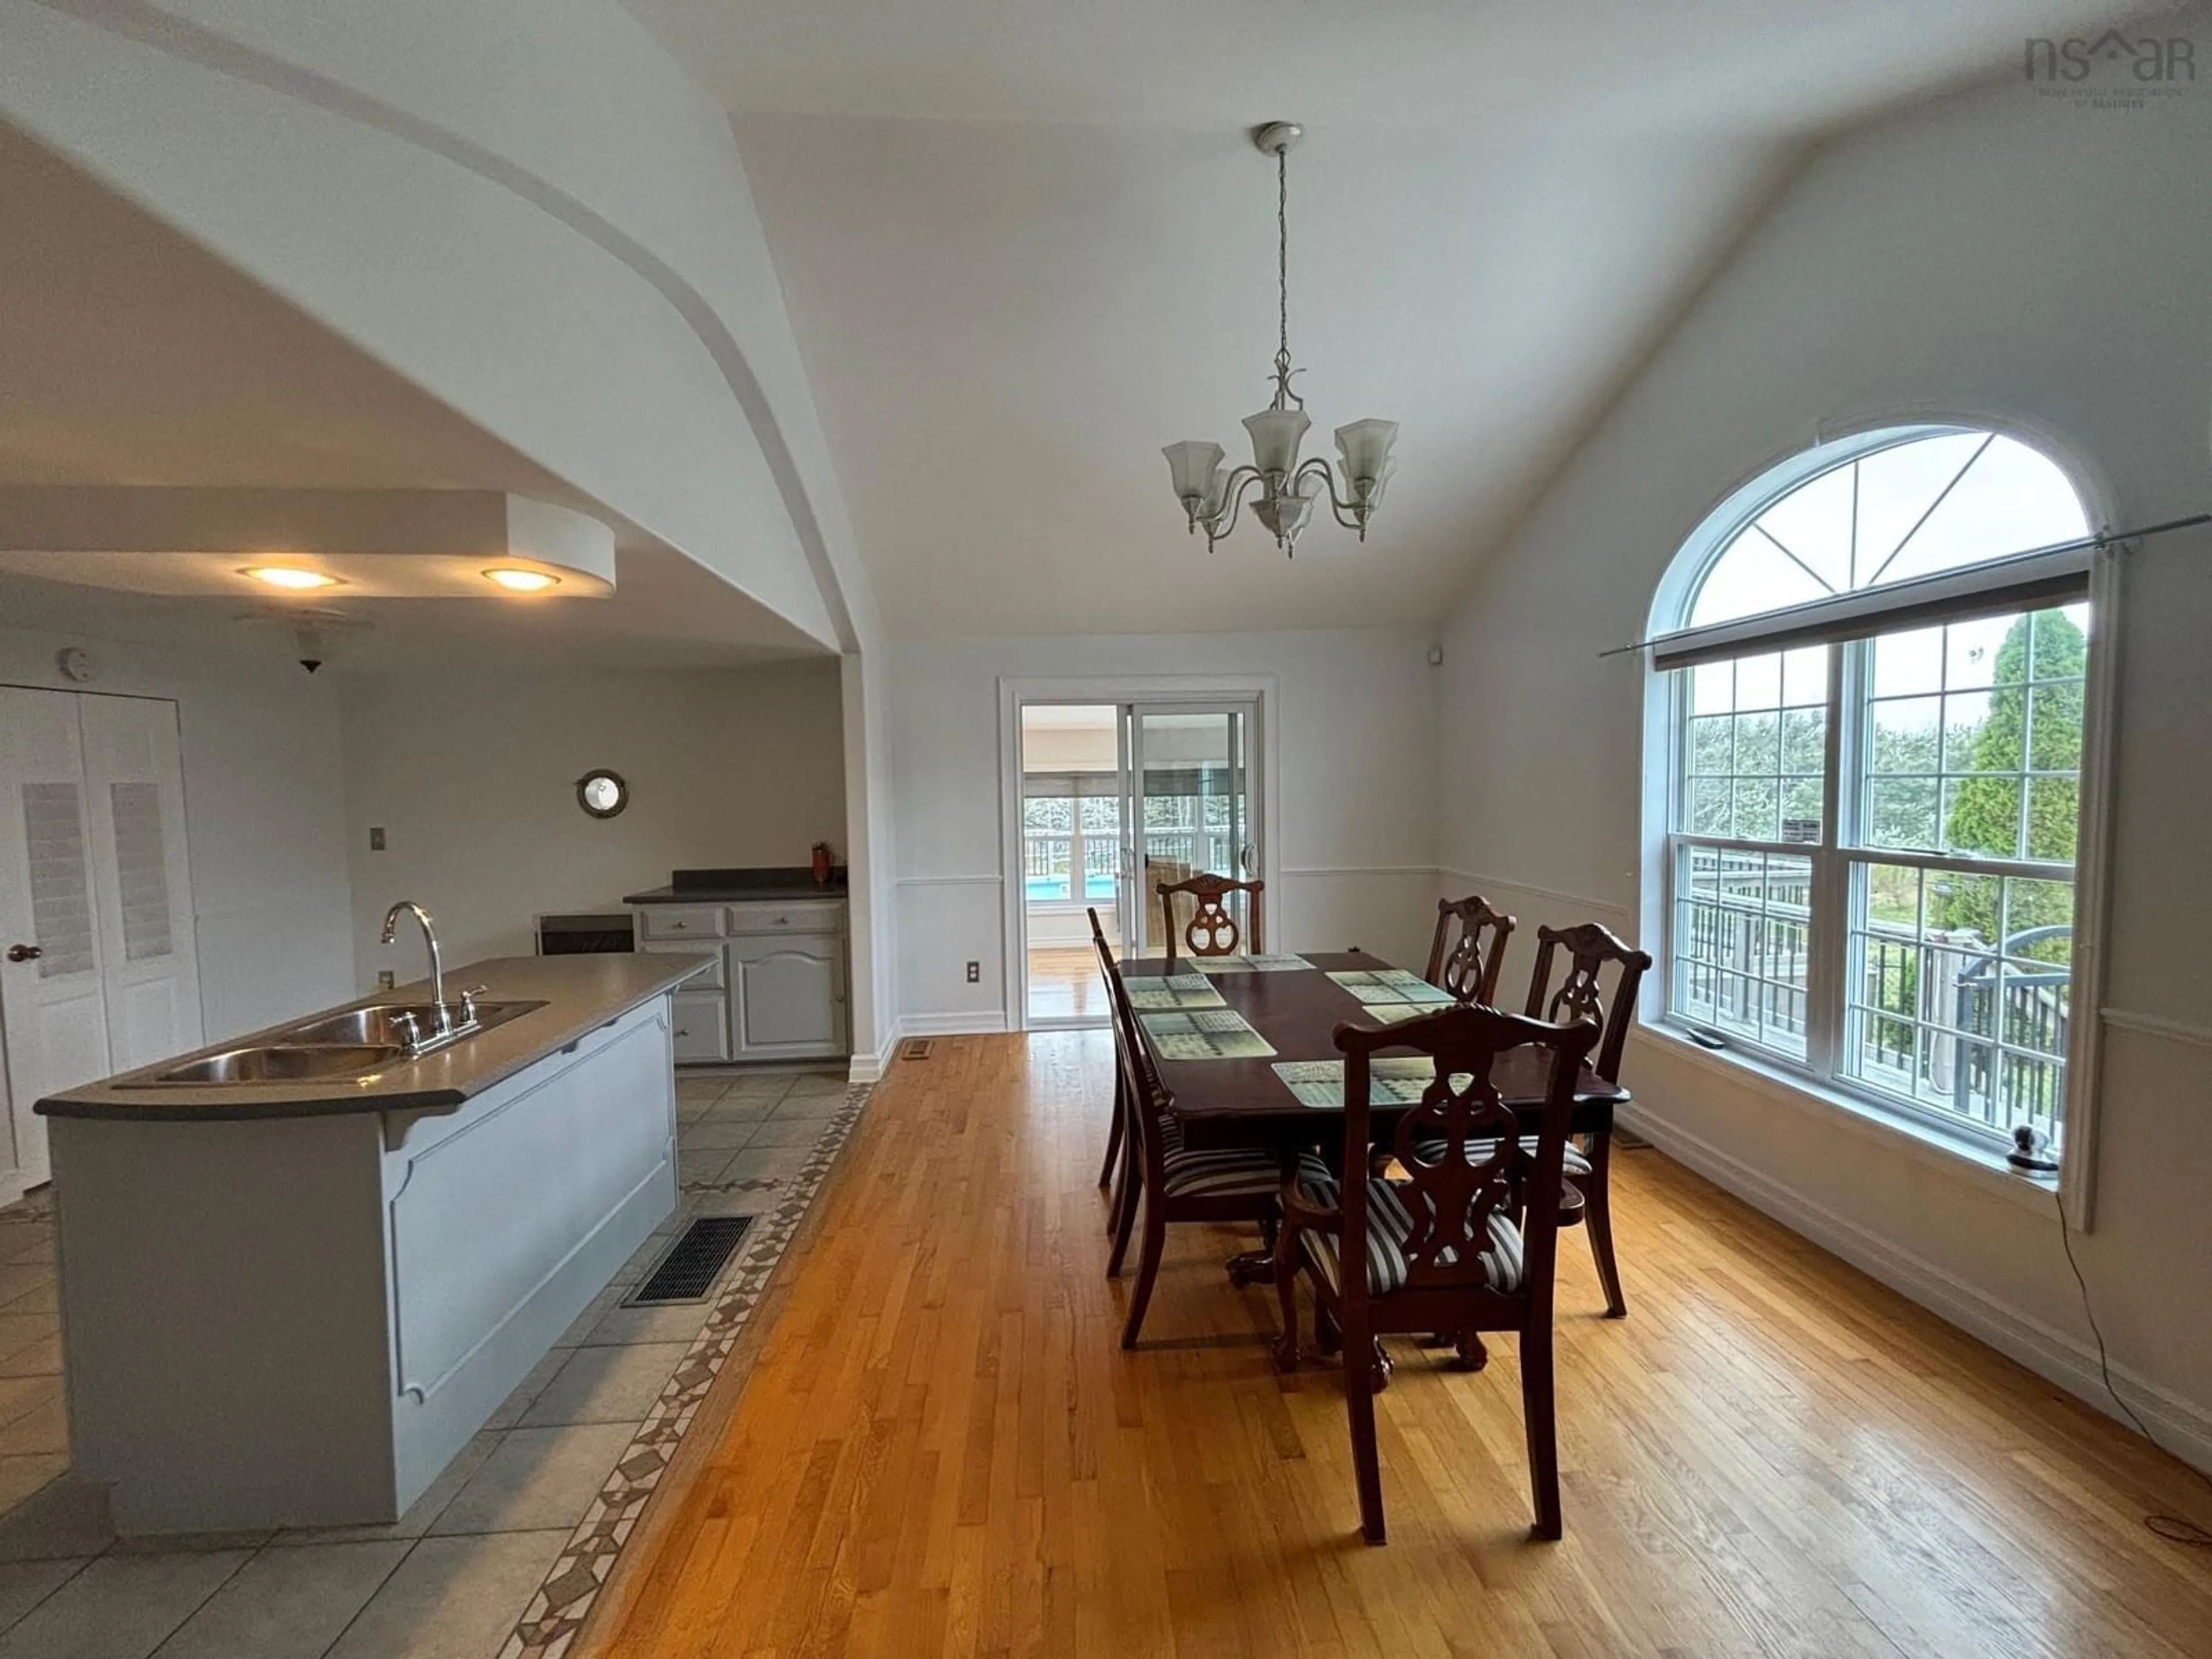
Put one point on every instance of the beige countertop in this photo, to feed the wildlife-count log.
(580, 993)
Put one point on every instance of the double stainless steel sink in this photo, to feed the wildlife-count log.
(354, 1043)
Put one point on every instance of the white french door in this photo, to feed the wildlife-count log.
(98, 971)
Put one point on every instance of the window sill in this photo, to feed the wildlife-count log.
(1979, 1166)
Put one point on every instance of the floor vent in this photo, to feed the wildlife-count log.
(916, 1049)
(687, 1268)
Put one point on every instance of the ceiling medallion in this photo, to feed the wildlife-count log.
(1287, 488)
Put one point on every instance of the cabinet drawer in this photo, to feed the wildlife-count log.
(701, 1025)
(679, 920)
(710, 948)
(794, 916)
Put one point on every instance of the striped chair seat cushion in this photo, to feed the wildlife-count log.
(1232, 1172)
(1575, 1161)
(1389, 1223)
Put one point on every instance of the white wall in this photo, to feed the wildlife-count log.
(2001, 256)
(1354, 715)
(473, 781)
(870, 862)
(262, 819)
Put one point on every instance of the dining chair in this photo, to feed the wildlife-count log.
(1120, 1169)
(1115, 1144)
(1591, 949)
(1211, 931)
(1177, 1182)
(1464, 1244)
(1468, 968)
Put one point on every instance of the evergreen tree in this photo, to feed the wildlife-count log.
(1986, 816)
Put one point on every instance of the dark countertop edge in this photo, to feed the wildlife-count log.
(158, 1105)
(157, 1108)
(803, 887)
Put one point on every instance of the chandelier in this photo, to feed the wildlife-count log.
(1283, 489)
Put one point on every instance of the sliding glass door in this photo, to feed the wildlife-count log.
(1116, 798)
(1190, 807)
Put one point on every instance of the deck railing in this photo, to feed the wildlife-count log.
(1943, 1017)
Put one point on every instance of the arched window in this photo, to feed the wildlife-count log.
(1875, 659)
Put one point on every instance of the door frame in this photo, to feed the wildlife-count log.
(1262, 690)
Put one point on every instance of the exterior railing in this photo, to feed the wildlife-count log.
(1945, 1019)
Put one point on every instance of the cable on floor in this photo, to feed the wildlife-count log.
(2175, 1530)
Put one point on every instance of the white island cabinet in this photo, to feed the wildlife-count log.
(285, 1307)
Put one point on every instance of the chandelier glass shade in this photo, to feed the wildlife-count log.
(1281, 490)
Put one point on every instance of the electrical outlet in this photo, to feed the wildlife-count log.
(385, 981)
(975, 973)
(376, 838)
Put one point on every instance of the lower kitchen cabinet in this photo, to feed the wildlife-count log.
(775, 988)
(787, 996)
(701, 1028)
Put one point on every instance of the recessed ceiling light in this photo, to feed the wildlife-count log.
(290, 576)
(522, 581)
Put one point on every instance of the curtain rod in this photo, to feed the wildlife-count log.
(2097, 542)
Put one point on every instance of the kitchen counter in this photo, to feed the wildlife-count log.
(580, 993)
(736, 886)
(290, 1303)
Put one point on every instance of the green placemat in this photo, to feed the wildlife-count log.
(1385, 985)
(1206, 1034)
(1394, 1013)
(1175, 991)
(1392, 1080)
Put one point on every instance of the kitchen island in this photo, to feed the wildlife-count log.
(289, 1302)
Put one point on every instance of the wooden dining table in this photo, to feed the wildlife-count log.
(1244, 1101)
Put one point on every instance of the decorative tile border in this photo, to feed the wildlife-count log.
(556, 1612)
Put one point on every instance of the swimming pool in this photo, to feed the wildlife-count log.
(1048, 889)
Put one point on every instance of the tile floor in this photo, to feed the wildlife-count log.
(501, 1558)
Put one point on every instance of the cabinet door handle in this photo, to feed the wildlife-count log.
(24, 953)
(683, 1030)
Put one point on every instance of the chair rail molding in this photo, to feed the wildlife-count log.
(2157, 1025)
(1488, 885)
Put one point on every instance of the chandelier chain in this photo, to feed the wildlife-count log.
(1284, 395)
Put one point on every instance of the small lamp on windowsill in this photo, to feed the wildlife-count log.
(2030, 1151)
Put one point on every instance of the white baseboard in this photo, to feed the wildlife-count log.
(870, 1068)
(2183, 1427)
(982, 1022)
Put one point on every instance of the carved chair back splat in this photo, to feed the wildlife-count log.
(1589, 950)
(1467, 966)
(1212, 931)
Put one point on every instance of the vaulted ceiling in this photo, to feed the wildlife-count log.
(1026, 243)
(131, 355)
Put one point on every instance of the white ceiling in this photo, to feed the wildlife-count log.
(129, 355)
(1026, 243)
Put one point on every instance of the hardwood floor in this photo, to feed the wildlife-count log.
(940, 1447)
(1064, 983)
